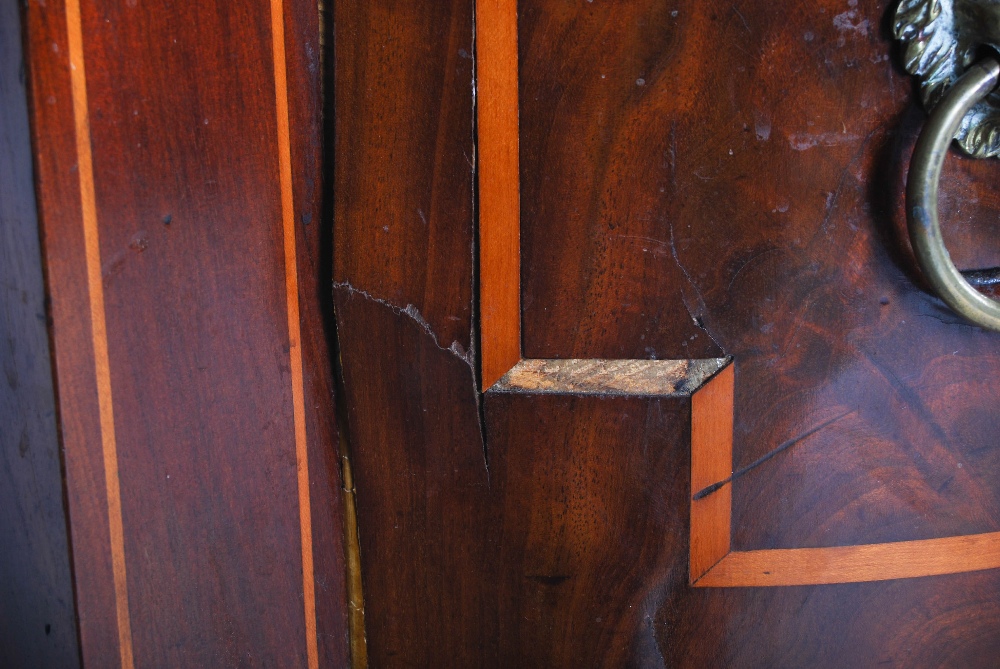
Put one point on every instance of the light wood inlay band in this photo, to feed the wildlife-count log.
(98, 327)
(711, 461)
(294, 328)
(499, 189)
(856, 564)
(714, 565)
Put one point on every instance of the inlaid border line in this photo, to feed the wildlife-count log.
(98, 322)
(98, 326)
(499, 188)
(294, 328)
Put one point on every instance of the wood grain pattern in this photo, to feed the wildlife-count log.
(791, 248)
(588, 534)
(37, 612)
(404, 160)
(404, 185)
(223, 441)
(644, 237)
(936, 621)
(499, 191)
(712, 465)
(728, 179)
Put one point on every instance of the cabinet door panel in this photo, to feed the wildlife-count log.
(177, 157)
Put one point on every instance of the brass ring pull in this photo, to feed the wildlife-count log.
(922, 196)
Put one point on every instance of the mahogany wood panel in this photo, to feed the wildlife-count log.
(404, 186)
(780, 160)
(714, 564)
(739, 168)
(422, 487)
(404, 150)
(929, 622)
(589, 527)
(37, 612)
(454, 526)
(177, 154)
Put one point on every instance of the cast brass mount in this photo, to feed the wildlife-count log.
(941, 40)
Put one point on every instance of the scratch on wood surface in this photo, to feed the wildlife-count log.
(705, 492)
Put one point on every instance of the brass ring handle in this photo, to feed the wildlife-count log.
(922, 196)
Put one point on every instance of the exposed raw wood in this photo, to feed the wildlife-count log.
(352, 550)
(664, 378)
(499, 189)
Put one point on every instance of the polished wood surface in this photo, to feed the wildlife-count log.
(98, 329)
(712, 471)
(714, 565)
(404, 160)
(695, 182)
(37, 612)
(786, 252)
(177, 154)
(404, 185)
(749, 203)
(588, 532)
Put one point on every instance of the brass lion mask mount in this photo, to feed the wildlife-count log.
(953, 48)
(941, 40)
